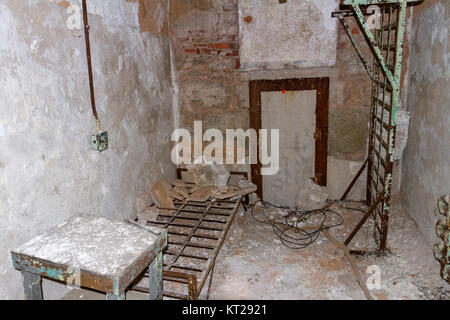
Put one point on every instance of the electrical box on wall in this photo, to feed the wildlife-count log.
(100, 141)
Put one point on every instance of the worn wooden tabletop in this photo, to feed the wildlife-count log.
(94, 245)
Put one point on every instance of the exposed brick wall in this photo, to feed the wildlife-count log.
(230, 48)
(206, 45)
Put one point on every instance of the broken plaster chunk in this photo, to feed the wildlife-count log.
(235, 193)
(209, 174)
(148, 214)
(222, 190)
(234, 180)
(202, 194)
(225, 190)
(161, 196)
(247, 190)
(283, 212)
(401, 136)
(192, 189)
(178, 183)
(166, 185)
(312, 196)
(246, 184)
(176, 195)
(181, 190)
(254, 199)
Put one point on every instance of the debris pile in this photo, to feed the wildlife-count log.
(205, 174)
(209, 183)
(312, 196)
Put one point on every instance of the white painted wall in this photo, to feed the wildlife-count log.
(299, 34)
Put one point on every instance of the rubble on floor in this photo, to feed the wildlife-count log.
(148, 214)
(160, 193)
(253, 264)
(312, 196)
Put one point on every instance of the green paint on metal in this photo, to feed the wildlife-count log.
(119, 296)
(53, 273)
(155, 277)
(375, 47)
(116, 287)
(386, 78)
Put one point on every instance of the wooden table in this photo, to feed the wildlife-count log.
(94, 253)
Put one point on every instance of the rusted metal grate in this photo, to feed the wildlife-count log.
(385, 41)
(383, 124)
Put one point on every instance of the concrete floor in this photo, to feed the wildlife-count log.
(253, 264)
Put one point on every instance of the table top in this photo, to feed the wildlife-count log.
(93, 244)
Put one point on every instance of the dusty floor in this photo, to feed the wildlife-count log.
(253, 264)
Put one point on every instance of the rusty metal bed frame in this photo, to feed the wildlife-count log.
(196, 233)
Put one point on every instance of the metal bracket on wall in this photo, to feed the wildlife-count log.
(100, 138)
(386, 44)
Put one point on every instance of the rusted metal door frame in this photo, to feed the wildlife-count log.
(321, 85)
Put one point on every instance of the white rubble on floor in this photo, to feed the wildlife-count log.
(312, 196)
(209, 174)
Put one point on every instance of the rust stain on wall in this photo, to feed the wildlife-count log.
(153, 16)
(64, 3)
(182, 7)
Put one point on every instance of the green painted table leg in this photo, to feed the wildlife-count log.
(32, 285)
(112, 296)
(155, 276)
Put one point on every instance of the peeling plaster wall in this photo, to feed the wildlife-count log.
(426, 162)
(48, 171)
(213, 78)
(205, 43)
(297, 34)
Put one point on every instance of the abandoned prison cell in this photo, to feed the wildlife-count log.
(224, 149)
